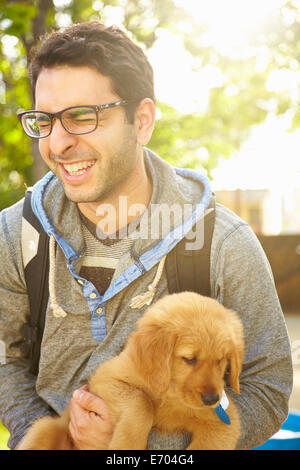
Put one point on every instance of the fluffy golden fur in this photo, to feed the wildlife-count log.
(169, 376)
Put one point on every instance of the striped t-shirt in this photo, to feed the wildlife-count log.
(102, 253)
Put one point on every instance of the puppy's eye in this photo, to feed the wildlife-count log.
(191, 361)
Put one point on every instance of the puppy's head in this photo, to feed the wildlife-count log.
(186, 342)
(211, 344)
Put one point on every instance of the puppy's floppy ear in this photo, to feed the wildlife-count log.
(151, 348)
(236, 355)
(236, 361)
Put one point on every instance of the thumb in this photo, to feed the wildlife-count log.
(91, 402)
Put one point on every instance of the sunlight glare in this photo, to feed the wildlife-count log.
(268, 159)
(232, 23)
(175, 81)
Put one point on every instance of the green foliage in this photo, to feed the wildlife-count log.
(200, 140)
(20, 15)
(15, 152)
(242, 100)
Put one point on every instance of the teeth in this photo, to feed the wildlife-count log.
(76, 169)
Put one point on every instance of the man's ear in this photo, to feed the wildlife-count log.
(144, 120)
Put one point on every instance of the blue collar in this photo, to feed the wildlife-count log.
(221, 413)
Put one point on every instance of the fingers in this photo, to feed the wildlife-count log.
(90, 402)
(90, 424)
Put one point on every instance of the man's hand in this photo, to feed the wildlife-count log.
(90, 424)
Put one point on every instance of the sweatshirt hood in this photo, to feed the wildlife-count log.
(180, 198)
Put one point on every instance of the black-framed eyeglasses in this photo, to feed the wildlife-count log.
(75, 120)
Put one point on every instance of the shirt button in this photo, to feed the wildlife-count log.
(80, 282)
(92, 295)
(99, 310)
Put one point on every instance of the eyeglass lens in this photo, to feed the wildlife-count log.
(79, 120)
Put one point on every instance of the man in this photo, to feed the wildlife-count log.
(94, 114)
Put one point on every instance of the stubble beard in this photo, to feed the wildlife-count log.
(120, 167)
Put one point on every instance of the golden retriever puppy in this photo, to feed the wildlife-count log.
(170, 376)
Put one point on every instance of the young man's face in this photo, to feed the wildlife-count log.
(108, 157)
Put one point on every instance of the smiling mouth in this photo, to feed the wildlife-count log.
(79, 168)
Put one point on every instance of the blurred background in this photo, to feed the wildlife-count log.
(227, 81)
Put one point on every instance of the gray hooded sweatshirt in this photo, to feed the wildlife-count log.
(94, 327)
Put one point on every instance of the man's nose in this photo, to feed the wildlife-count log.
(61, 141)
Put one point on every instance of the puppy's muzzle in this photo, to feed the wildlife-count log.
(210, 398)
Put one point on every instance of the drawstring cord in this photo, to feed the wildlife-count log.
(146, 298)
(137, 301)
(58, 312)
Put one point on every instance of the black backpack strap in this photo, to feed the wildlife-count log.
(35, 248)
(189, 270)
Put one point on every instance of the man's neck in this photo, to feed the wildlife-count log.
(119, 209)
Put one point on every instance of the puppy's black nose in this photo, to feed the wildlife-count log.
(210, 398)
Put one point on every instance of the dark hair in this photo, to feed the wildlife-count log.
(108, 49)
